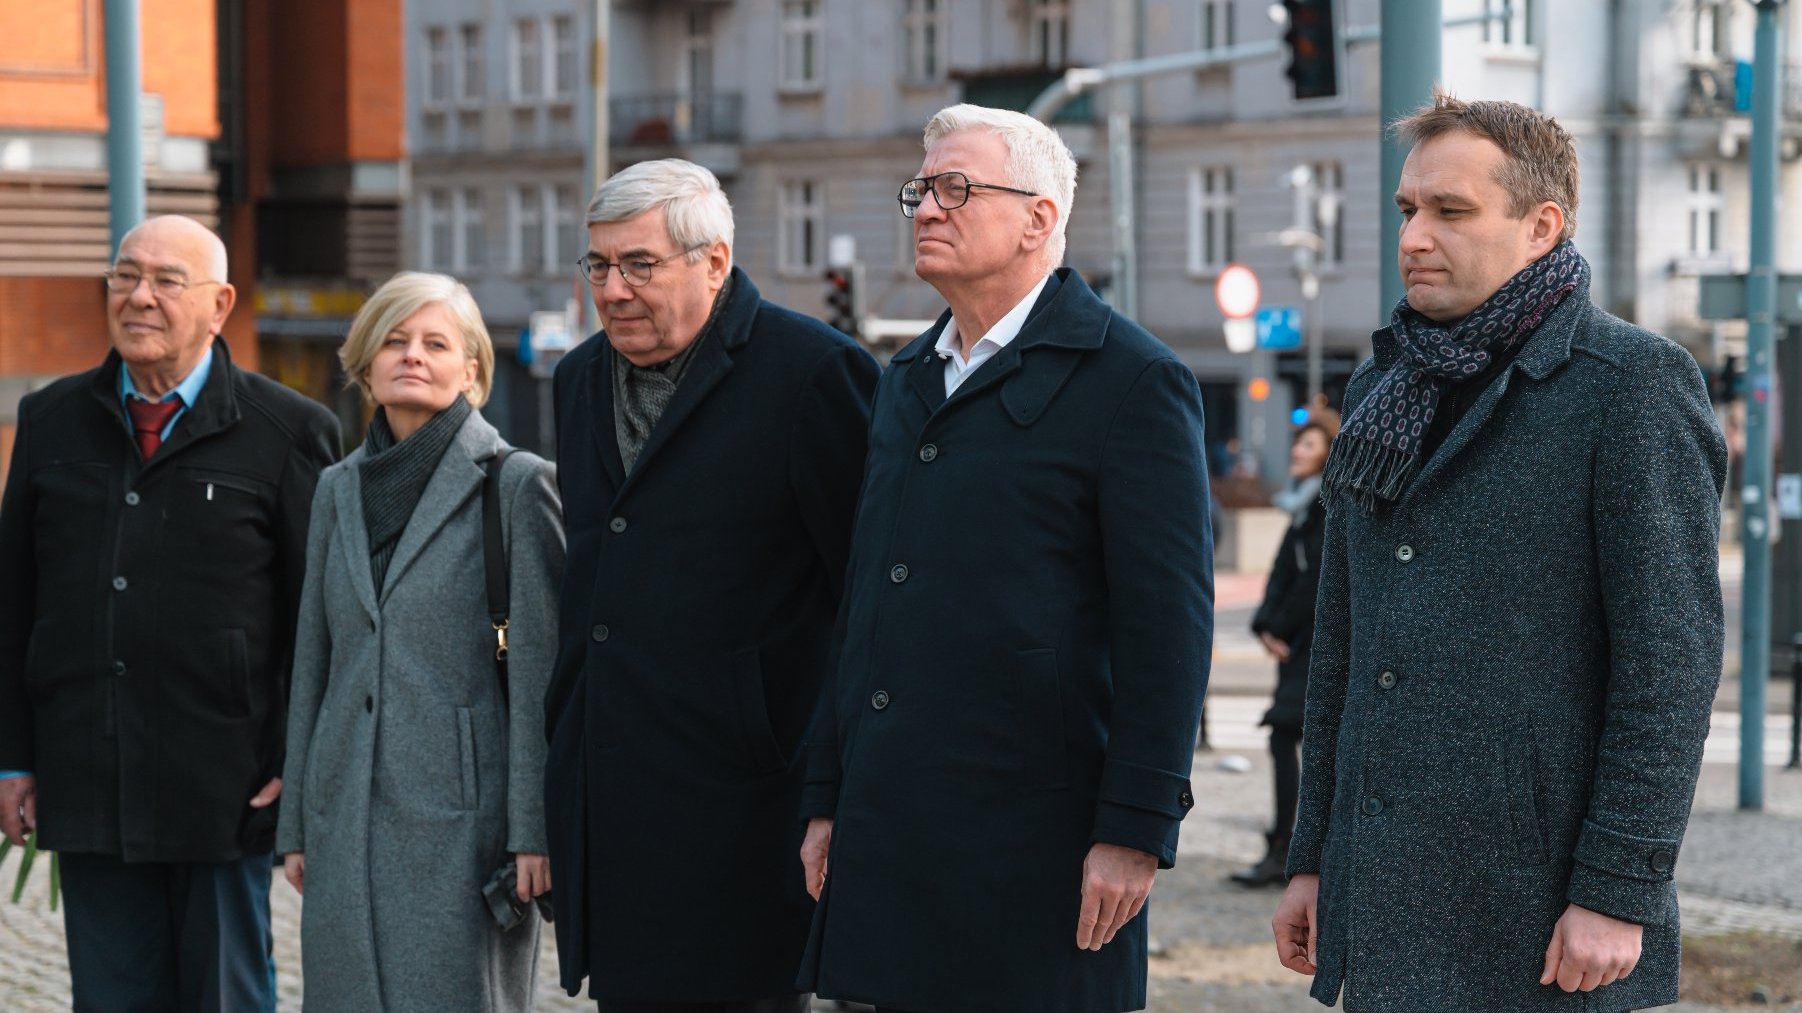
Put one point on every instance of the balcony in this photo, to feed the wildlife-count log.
(705, 128)
(1716, 120)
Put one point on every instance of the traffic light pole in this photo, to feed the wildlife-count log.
(1411, 59)
(124, 115)
(1761, 308)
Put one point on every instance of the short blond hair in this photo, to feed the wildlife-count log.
(398, 299)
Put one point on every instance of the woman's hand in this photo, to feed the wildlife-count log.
(294, 867)
(534, 875)
(1274, 647)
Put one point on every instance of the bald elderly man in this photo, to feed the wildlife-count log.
(152, 534)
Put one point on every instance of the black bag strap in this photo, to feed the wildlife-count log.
(494, 560)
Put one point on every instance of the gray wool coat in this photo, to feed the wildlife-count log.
(409, 780)
(1512, 677)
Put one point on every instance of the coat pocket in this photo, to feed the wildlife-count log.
(466, 758)
(1520, 771)
(754, 714)
(1042, 748)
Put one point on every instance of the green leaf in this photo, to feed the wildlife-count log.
(56, 878)
(6, 845)
(31, 854)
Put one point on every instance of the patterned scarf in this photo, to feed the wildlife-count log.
(641, 394)
(394, 476)
(1378, 449)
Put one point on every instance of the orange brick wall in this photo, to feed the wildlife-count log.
(52, 326)
(340, 65)
(377, 82)
(52, 60)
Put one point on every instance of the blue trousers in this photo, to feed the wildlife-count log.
(152, 937)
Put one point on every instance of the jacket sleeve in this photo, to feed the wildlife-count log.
(1329, 668)
(18, 598)
(1657, 485)
(534, 575)
(1157, 557)
(311, 671)
(1290, 613)
(831, 441)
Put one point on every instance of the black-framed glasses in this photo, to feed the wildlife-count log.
(168, 285)
(950, 189)
(635, 270)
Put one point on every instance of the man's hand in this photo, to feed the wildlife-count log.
(534, 875)
(1274, 647)
(294, 869)
(18, 807)
(814, 849)
(265, 798)
(1293, 923)
(1115, 883)
(1589, 950)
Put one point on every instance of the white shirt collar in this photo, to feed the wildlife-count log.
(1005, 330)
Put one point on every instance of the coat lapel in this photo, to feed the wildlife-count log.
(606, 437)
(353, 536)
(457, 478)
(1067, 321)
(925, 370)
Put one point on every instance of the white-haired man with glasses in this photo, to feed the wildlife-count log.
(1001, 762)
(153, 536)
(709, 446)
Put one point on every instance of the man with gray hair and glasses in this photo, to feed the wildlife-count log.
(1001, 762)
(710, 446)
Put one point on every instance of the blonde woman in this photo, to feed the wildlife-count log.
(412, 771)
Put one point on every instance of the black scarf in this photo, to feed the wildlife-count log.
(1379, 448)
(395, 474)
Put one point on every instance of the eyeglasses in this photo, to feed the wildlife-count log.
(163, 286)
(950, 189)
(635, 270)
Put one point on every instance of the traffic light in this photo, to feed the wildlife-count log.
(1313, 41)
(841, 300)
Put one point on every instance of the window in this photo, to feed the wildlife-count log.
(801, 221)
(1514, 30)
(437, 66)
(563, 60)
(471, 85)
(801, 44)
(1329, 190)
(472, 239)
(1214, 29)
(1048, 32)
(566, 234)
(435, 234)
(698, 51)
(525, 248)
(1210, 219)
(1710, 35)
(922, 41)
(1704, 209)
(528, 61)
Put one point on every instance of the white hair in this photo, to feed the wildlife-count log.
(1037, 158)
(695, 209)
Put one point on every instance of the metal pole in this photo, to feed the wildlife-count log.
(1120, 192)
(124, 128)
(1795, 702)
(1410, 61)
(599, 164)
(1761, 305)
(1307, 197)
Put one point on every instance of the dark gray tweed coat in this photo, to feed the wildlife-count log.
(1513, 671)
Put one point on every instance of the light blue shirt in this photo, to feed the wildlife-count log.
(188, 391)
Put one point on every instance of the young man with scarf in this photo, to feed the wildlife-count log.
(1519, 629)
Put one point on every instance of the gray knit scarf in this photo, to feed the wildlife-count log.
(1378, 449)
(394, 476)
(641, 394)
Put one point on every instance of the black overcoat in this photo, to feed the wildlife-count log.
(147, 611)
(1287, 611)
(1513, 672)
(1026, 640)
(696, 620)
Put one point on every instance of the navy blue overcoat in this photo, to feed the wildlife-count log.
(694, 632)
(1026, 638)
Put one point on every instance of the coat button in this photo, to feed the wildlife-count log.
(118, 668)
(879, 699)
(369, 704)
(1372, 806)
(1404, 552)
(1386, 681)
(616, 525)
(132, 499)
(929, 453)
(1662, 861)
(1186, 799)
(118, 583)
(599, 634)
(899, 573)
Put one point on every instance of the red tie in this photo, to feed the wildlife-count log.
(147, 421)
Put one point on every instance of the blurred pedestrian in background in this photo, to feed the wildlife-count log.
(1284, 624)
(413, 766)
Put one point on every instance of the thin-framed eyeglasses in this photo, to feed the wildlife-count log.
(950, 189)
(165, 285)
(635, 270)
